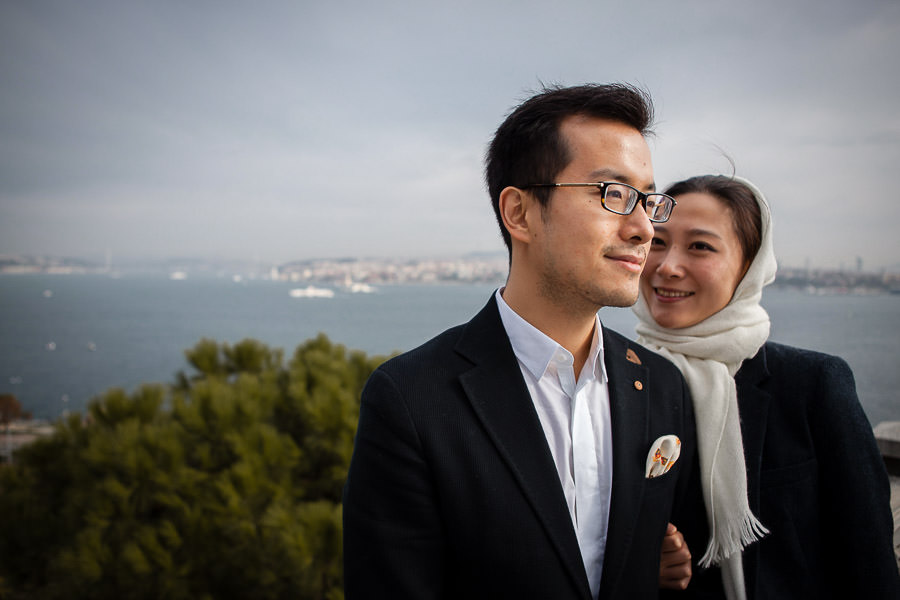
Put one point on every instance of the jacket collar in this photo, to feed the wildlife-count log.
(497, 393)
(753, 407)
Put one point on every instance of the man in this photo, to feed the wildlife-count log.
(507, 457)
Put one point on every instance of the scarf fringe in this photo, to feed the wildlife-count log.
(722, 544)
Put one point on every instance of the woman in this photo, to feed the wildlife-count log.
(796, 495)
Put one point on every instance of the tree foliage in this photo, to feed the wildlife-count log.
(226, 484)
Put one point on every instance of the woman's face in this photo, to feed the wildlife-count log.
(694, 264)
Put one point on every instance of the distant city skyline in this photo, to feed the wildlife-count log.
(294, 130)
(483, 266)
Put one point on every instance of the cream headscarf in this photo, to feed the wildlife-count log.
(709, 354)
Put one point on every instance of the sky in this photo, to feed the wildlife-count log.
(280, 131)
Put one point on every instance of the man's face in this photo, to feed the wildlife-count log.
(584, 254)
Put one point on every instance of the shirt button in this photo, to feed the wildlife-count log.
(638, 385)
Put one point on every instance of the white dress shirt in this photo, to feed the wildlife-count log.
(549, 374)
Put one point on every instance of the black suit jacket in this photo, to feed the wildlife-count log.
(453, 493)
(815, 479)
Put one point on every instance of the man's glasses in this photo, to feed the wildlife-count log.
(621, 198)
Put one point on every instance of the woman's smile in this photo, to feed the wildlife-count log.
(667, 294)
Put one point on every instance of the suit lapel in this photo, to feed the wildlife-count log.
(498, 395)
(629, 413)
(753, 406)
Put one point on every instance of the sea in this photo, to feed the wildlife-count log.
(65, 339)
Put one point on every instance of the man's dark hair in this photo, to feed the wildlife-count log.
(529, 148)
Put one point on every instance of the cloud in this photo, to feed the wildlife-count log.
(292, 130)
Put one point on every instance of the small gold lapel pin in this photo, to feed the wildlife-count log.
(632, 357)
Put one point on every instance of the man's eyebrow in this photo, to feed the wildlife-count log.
(606, 174)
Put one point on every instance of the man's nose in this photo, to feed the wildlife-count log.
(638, 226)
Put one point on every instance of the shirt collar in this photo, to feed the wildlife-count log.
(535, 349)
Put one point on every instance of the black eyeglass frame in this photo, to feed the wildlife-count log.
(604, 185)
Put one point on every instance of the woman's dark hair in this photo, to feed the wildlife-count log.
(529, 148)
(738, 198)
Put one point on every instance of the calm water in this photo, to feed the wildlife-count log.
(90, 333)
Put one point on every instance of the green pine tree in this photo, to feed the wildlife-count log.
(226, 484)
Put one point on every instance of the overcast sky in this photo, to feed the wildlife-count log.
(289, 130)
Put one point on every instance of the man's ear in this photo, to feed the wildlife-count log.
(516, 208)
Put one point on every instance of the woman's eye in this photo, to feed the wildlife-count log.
(702, 246)
(657, 242)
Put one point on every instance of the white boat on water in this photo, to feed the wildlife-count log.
(311, 292)
(357, 287)
(361, 288)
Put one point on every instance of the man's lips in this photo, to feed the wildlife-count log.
(632, 262)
